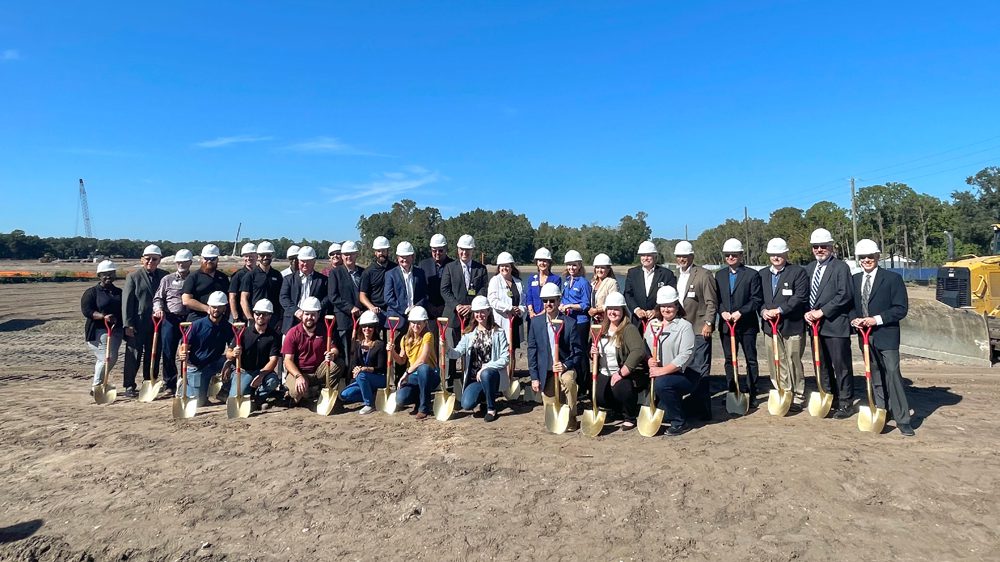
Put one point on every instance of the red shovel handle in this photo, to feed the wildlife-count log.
(774, 324)
(109, 326)
(392, 328)
(597, 351)
(865, 333)
(156, 324)
(330, 323)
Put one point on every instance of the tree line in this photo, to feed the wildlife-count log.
(902, 221)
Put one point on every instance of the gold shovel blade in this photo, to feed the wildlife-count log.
(238, 408)
(444, 406)
(215, 386)
(649, 422)
(105, 394)
(778, 402)
(737, 404)
(149, 390)
(385, 401)
(820, 404)
(592, 423)
(513, 390)
(184, 407)
(556, 419)
(871, 422)
(327, 400)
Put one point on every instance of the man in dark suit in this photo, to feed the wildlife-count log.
(461, 281)
(786, 292)
(641, 283)
(297, 287)
(137, 302)
(432, 268)
(740, 298)
(830, 305)
(880, 302)
(405, 286)
(540, 365)
(343, 294)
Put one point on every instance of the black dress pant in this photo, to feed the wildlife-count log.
(138, 349)
(622, 397)
(748, 342)
(835, 365)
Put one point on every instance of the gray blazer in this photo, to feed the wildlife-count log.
(137, 298)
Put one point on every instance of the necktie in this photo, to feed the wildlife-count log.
(814, 290)
(774, 284)
(466, 272)
(866, 292)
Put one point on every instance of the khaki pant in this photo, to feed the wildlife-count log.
(567, 382)
(316, 380)
(790, 351)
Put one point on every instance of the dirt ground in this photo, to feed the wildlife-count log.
(126, 482)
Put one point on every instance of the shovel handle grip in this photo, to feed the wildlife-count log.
(330, 324)
(156, 324)
(108, 326)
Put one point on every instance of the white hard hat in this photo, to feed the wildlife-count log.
(821, 236)
(549, 290)
(265, 247)
(543, 254)
(263, 305)
(466, 242)
(106, 266)
(666, 295)
(417, 314)
(404, 249)
(647, 247)
(311, 304)
(152, 250)
(183, 255)
(368, 318)
(380, 243)
(307, 253)
(248, 248)
(777, 246)
(505, 258)
(438, 241)
(333, 249)
(349, 247)
(732, 245)
(602, 260)
(480, 303)
(683, 248)
(614, 298)
(293, 251)
(210, 251)
(572, 256)
(217, 298)
(866, 247)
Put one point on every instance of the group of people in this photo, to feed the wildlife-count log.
(378, 327)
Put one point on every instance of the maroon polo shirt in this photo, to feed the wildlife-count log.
(308, 351)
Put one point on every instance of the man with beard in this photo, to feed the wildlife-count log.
(372, 290)
(202, 283)
(295, 289)
(137, 301)
(343, 294)
(259, 351)
(304, 353)
(292, 255)
(264, 282)
(432, 268)
(168, 304)
(336, 258)
(206, 347)
(249, 253)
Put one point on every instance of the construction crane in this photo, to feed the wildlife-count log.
(85, 211)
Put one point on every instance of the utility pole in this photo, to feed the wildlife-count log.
(686, 232)
(236, 241)
(854, 219)
(746, 226)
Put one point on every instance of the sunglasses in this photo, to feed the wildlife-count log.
(210, 259)
(821, 246)
(869, 257)
(259, 313)
(733, 255)
(550, 301)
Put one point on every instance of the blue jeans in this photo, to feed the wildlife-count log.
(170, 337)
(97, 347)
(198, 379)
(670, 390)
(488, 385)
(267, 386)
(363, 388)
(419, 389)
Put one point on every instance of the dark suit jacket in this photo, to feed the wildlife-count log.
(291, 289)
(435, 302)
(453, 288)
(887, 299)
(137, 299)
(792, 298)
(635, 289)
(341, 296)
(395, 292)
(834, 299)
(745, 298)
(540, 352)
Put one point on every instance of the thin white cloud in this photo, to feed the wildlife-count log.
(330, 145)
(386, 187)
(10, 54)
(226, 141)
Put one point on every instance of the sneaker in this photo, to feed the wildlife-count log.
(366, 410)
(490, 416)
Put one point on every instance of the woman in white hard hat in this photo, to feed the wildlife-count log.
(576, 304)
(602, 284)
(675, 345)
(621, 356)
(543, 261)
(99, 304)
(368, 364)
(484, 347)
(506, 295)
(421, 377)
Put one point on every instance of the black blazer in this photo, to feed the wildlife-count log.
(887, 299)
(341, 296)
(834, 299)
(635, 289)
(435, 302)
(745, 298)
(792, 298)
(291, 295)
(540, 352)
(453, 288)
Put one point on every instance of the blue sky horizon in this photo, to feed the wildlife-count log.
(186, 119)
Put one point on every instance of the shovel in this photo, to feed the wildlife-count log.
(103, 392)
(556, 414)
(444, 402)
(384, 400)
(737, 403)
(328, 396)
(238, 406)
(459, 384)
(651, 417)
(150, 388)
(871, 419)
(780, 400)
(593, 419)
(819, 402)
(510, 386)
(184, 407)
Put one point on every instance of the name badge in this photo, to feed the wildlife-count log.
(510, 294)
(660, 284)
(690, 294)
(786, 292)
(472, 292)
(534, 283)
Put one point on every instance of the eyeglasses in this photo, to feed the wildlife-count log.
(868, 257)
(260, 313)
(733, 255)
(821, 246)
(550, 301)
(151, 258)
(209, 259)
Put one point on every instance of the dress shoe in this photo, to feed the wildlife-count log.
(906, 429)
(421, 416)
(842, 414)
(673, 431)
(753, 402)
(795, 408)
(131, 392)
(490, 416)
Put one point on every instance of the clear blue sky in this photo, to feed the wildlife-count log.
(186, 118)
